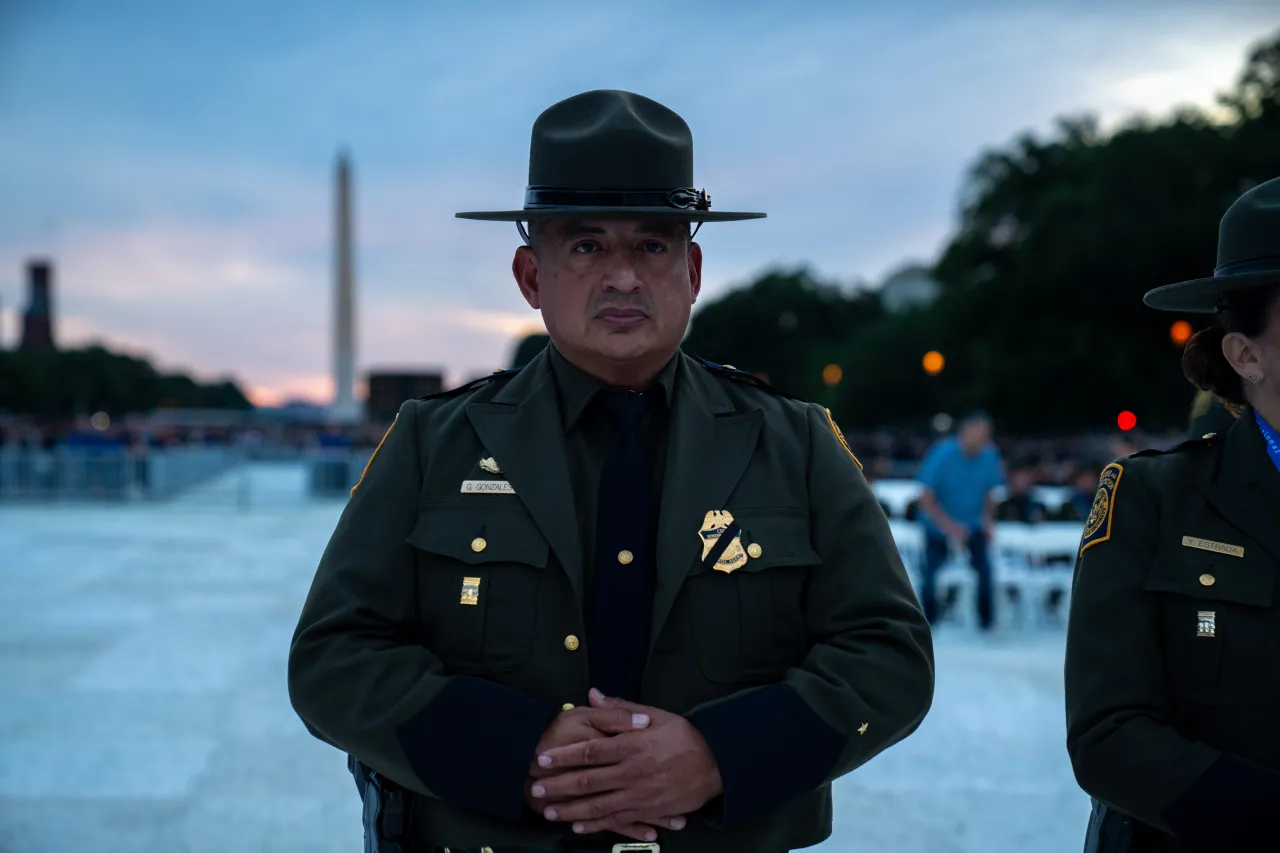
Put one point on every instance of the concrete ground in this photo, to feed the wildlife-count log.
(143, 704)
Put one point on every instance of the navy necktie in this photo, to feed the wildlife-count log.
(624, 558)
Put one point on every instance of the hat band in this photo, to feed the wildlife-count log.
(682, 198)
(1268, 263)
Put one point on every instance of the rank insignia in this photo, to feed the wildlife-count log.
(723, 556)
(488, 464)
(1098, 527)
(1206, 623)
(470, 591)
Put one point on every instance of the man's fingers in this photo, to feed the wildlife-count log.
(637, 831)
(599, 700)
(589, 753)
(578, 783)
(640, 831)
(615, 721)
(591, 809)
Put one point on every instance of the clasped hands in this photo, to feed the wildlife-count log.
(621, 767)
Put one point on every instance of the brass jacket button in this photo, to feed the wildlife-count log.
(571, 643)
(478, 544)
(1207, 580)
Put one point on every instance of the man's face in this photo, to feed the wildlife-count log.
(975, 435)
(612, 291)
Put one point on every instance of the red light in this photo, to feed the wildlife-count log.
(1127, 421)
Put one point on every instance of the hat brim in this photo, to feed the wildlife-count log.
(666, 213)
(1204, 295)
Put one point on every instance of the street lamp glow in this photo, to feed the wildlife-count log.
(933, 362)
(1180, 332)
(832, 374)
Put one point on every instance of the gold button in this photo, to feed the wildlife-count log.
(754, 550)
(1208, 435)
(571, 643)
(1207, 580)
(478, 544)
(567, 706)
(625, 557)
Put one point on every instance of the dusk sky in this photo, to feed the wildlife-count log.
(175, 159)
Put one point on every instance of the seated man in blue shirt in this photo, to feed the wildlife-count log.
(959, 475)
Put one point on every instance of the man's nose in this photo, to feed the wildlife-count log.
(621, 275)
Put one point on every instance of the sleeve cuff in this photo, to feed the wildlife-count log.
(771, 747)
(472, 745)
(1232, 806)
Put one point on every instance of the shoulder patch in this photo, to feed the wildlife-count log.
(1098, 526)
(740, 375)
(474, 383)
(374, 455)
(839, 435)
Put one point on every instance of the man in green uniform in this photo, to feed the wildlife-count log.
(620, 591)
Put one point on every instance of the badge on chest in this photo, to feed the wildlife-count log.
(721, 541)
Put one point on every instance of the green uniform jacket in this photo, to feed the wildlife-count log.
(1173, 645)
(796, 668)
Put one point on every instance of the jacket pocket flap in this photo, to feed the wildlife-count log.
(476, 536)
(778, 539)
(1241, 580)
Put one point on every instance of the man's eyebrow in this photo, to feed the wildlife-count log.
(579, 229)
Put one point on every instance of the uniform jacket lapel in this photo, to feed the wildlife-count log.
(710, 445)
(523, 431)
(1245, 486)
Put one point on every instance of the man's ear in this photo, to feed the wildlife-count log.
(524, 266)
(695, 270)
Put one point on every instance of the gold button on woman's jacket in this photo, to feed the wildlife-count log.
(625, 557)
(567, 706)
(754, 550)
(1207, 580)
(571, 643)
(478, 544)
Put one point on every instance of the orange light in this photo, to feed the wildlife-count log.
(1127, 421)
(1180, 332)
(933, 362)
(832, 374)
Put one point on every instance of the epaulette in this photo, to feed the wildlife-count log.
(1207, 440)
(474, 383)
(740, 375)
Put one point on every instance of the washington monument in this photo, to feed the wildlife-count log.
(345, 409)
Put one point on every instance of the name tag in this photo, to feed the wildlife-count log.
(487, 487)
(1215, 547)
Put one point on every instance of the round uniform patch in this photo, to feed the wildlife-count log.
(1097, 513)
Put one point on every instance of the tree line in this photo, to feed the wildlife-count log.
(64, 384)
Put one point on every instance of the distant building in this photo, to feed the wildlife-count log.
(37, 322)
(387, 390)
(907, 288)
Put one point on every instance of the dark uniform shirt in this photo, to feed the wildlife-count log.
(1172, 677)
(590, 435)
